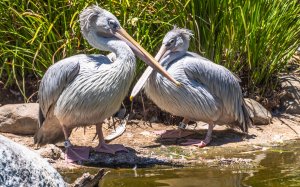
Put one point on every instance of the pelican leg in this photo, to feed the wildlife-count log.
(104, 147)
(72, 153)
(201, 143)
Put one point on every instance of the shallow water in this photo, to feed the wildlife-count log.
(278, 166)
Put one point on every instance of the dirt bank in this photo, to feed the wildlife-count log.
(147, 148)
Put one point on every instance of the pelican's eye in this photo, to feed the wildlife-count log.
(113, 24)
(170, 42)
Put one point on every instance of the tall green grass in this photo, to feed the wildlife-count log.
(36, 33)
(252, 38)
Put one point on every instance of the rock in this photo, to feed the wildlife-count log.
(51, 151)
(19, 118)
(88, 180)
(129, 159)
(258, 113)
(20, 166)
(290, 101)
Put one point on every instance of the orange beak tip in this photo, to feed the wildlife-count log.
(178, 84)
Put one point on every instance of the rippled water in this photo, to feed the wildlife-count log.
(174, 177)
(278, 166)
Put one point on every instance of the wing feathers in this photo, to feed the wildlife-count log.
(221, 83)
(57, 77)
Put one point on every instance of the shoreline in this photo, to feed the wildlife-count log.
(146, 149)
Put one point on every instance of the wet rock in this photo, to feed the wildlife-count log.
(20, 166)
(124, 159)
(291, 98)
(259, 114)
(19, 118)
(88, 180)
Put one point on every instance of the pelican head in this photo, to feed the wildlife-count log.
(176, 40)
(96, 22)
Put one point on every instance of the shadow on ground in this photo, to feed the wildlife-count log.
(129, 159)
(219, 137)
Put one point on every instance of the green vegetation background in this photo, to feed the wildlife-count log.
(254, 39)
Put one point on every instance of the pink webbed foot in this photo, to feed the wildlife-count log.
(196, 142)
(174, 134)
(110, 148)
(74, 153)
(201, 143)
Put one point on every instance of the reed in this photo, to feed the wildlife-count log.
(255, 39)
(252, 38)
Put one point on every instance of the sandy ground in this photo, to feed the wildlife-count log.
(147, 148)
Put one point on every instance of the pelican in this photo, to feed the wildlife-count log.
(86, 89)
(209, 93)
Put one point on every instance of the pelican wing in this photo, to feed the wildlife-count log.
(221, 83)
(57, 77)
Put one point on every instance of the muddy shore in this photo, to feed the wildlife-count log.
(147, 148)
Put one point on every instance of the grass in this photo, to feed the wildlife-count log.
(252, 38)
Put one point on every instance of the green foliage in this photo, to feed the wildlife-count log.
(252, 38)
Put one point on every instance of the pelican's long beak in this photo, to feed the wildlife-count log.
(161, 53)
(143, 54)
(141, 82)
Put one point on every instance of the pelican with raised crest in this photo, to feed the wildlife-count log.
(86, 89)
(209, 93)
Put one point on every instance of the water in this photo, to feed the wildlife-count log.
(188, 177)
(278, 166)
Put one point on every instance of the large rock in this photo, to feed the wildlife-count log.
(20, 166)
(291, 98)
(259, 114)
(19, 118)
